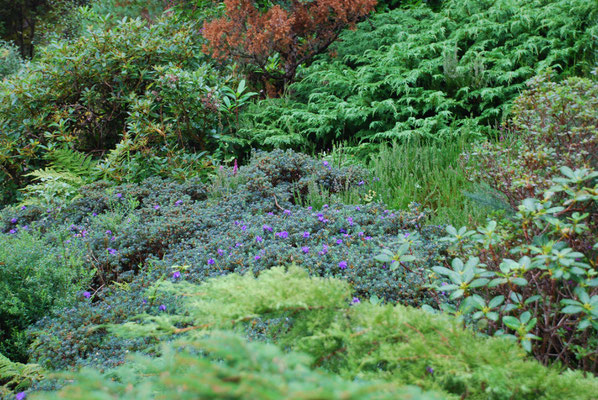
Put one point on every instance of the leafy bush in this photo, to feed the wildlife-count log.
(36, 278)
(135, 89)
(534, 279)
(553, 125)
(10, 59)
(417, 72)
(171, 229)
(271, 43)
(360, 340)
(226, 366)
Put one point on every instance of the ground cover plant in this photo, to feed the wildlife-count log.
(417, 72)
(159, 239)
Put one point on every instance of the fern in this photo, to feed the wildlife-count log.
(51, 187)
(16, 376)
(72, 161)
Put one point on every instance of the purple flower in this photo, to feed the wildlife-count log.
(430, 370)
(211, 261)
(156, 207)
(111, 251)
(355, 300)
(108, 232)
(94, 214)
(162, 307)
(235, 168)
(271, 213)
(339, 241)
(267, 228)
(324, 250)
(176, 275)
(221, 252)
(368, 238)
(406, 235)
(306, 234)
(360, 234)
(119, 195)
(305, 249)
(144, 301)
(309, 208)
(325, 163)
(87, 295)
(357, 208)
(23, 208)
(26, 227)
(238, 244)
(342, 230)
(21, 396)
(325, 206)
(361, 183)
(283, 234)
(178, 202)
(342, 265)
(113, 238)
(287, 212)
(12, 231)
(350, 221)
(259, 239)
(13, 221)
(244, 228)
(257, 257)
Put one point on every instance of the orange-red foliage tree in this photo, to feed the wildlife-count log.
(296, 31)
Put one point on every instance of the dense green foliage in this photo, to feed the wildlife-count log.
(134, 92)
(360, 340)
(158, 241)
(420, 73)
(535, 275)
(36, 278)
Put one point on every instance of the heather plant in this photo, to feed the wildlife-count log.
(36, 278)
(359, 340)
(374, 86)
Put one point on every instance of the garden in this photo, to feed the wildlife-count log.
(299, 199)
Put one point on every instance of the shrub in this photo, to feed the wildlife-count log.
(172, 230)
(417, 72)
(553, 125)
(226, 366)
(363, 341)
(274, 42)
(134, 89)
(36, 278)
(10, 59)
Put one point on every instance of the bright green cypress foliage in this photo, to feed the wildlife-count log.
(418, 72)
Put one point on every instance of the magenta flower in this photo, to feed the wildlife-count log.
(119, 195)
(257, 257)
(23, 208)
(339, 242)
(211, 261)
(259, 239)
(220, 252)
(156, 207)
(176, 275)
(112, 251)
(306, 234)
(305, 249)
(355, 300)
(13, 221)
(87, 295)
(267, 228)
(325, 163)
(287, 212)
(12, 231)
(283, 234)
(178, 202)
(162, 307)
(108, 232)
(350, 221)
(361, 183)
(244, 228)
(342, 265)
(21, 396)
(357, 208)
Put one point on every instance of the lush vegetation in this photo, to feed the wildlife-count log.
(296, 199)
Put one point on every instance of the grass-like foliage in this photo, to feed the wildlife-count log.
(418, 72)
(362, 340)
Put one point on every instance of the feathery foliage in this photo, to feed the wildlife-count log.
(417, 72)
(15, 376)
